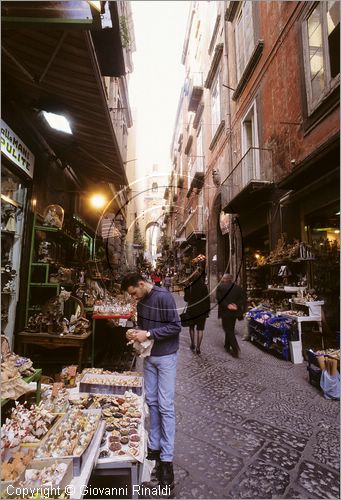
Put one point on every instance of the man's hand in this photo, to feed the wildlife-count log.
(140, 335)
(137, 335)
(130, 334)
(232, 307)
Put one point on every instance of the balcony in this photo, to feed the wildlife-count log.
(195, 224)
(252, 174)
(196, 175)
(196, 89)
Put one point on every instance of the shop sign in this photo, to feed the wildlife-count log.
(15, 150)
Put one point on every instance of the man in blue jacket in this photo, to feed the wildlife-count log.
(157, 319)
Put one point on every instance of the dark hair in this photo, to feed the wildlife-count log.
(131, 279)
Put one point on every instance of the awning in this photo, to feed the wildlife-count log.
(57, 71)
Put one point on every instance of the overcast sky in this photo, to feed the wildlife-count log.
(158, 76)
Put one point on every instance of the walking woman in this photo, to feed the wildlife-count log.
(198, 307)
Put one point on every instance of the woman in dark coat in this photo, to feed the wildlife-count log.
(198, 307)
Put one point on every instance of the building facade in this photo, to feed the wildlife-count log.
(264, 118)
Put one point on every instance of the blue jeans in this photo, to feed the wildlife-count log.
(159, 384)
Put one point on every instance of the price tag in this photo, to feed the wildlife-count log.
(122, 322)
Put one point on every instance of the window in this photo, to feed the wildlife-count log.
(154, 187)
(250, 152)
(215, 105)
(321, 35)
(244, 37)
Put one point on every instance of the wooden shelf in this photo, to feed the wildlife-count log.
(45, 284)
(51, 229)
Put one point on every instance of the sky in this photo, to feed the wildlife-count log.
(158, 76)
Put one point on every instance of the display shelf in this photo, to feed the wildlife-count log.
(46, 284)
(9, 233)
(6, 199)
(51, 229)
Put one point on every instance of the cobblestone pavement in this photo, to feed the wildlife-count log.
(251, 427)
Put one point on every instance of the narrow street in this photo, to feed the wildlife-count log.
(251, 427)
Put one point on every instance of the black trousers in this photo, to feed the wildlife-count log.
(230, 336)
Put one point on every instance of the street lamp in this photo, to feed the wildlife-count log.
(98, 201)
(58, 122)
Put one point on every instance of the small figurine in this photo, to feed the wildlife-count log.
(54, 216)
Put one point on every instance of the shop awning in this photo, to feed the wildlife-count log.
(58, 71)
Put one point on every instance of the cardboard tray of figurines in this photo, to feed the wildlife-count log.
(49, 474)
(72, 438)
(110, 384)
(124, 438)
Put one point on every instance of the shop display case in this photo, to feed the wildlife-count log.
(13, 204)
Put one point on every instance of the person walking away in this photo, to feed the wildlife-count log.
(230, 298)
(157, 319)
(198, 306)
(167, 282)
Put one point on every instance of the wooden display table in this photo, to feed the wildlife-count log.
(50, 341)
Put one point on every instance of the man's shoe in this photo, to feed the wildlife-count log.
(198, 351)
(192, 347)
(167, 475)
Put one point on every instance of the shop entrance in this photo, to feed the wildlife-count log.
(323, 233)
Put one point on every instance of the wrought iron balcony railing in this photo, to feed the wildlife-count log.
(195, 223)
(254, 170)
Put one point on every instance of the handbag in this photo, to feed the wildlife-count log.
(185, 318)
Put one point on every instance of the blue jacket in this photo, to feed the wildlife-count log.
(157, 313)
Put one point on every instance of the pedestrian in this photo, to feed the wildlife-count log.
(157, 319)
(156, 277)
(167, 281)
(198, 308)
(230, 298)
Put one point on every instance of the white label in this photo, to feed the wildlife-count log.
(16, 150)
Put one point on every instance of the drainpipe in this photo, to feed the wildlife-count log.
(232, 266)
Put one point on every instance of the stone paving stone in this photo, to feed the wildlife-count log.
(242, 402)
(205, 409)
(294, 493)
(296, 399)
(203, 460)
(221, 435)
(327, 448)
(279, 455)
(272, 433)
(328, 408)
(191, 489)
(319, 481)
(261, 480)
(303, 423)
